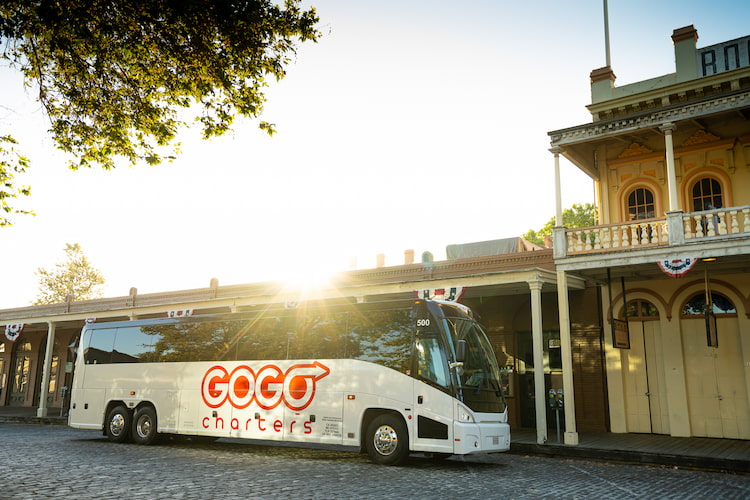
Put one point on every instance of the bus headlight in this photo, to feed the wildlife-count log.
(464, 415)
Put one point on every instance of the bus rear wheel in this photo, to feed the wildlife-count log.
(144, 426)
(387, 440)
(117, 426)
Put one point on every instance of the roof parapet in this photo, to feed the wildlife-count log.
(602, 84)
(685, 40)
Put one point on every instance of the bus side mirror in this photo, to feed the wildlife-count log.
(460, 351)
(73, 347)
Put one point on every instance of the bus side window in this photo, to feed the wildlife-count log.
(262, 338)
(132, 345)
(323, 336)
(381, 336)
(101, 345)
(430, 361)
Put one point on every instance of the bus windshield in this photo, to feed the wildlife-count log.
(479, 377)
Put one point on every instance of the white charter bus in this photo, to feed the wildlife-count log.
(388, 377)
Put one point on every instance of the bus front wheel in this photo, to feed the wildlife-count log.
(387, 440)
(144, 425)
(117, 427)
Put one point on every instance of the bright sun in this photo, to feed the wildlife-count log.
(308, 279)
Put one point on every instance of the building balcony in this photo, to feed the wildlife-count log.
(710, 233)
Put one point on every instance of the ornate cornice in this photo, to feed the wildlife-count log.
(700, 137)
(635, 149)
(651, 119)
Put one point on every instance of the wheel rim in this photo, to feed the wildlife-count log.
(143, 426)
(385, 440)
(117, 424)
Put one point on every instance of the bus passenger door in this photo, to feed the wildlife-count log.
(433, 406)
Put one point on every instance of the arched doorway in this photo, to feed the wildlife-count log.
(714, 375)
(21, 377)
(643, 374)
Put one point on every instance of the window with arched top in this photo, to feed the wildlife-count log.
(707, 195)
(641, 204)
(23, 347)
(696, 305)
(642, 310)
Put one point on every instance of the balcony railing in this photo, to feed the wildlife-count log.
(674, 229)
(720, 222)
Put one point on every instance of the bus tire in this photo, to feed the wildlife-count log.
(117, 426)
(144, 426)
(387, 440)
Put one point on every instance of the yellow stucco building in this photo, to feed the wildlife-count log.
(670, 159)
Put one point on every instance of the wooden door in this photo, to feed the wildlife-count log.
(716, 388)
(643, 379)
(21, 375)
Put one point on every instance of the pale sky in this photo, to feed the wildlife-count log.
(409, 125)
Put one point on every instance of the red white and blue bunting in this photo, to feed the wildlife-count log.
(181, 313)
(450, 293)
(677, 267)
(12, 332)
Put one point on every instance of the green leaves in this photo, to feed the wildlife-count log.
(75, 277)
(116, 77)
(11, 164)
(578, 215)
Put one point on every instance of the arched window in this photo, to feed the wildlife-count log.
(641, 204)
(696, 305)
(707, 195)
(642, 310)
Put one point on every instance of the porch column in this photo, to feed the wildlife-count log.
(540, 402)
(571, 435)
(556, 150)
(48, 352)
(674, 203)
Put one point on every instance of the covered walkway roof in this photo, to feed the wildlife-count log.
(492, 275)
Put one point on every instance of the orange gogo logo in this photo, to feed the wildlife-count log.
(268, 387)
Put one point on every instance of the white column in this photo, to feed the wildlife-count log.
(674, 203)
(558, 189)
(49, 351)
(571, 435)
(540, 401)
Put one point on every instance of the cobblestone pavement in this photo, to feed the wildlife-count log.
(59, 462)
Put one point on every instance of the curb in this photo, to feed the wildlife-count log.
(34, 420)
(633, 456)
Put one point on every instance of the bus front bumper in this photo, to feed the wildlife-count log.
(483, 437)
